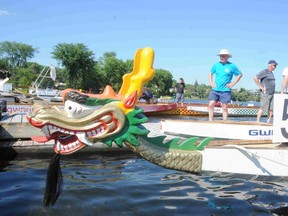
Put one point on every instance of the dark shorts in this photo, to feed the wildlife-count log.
(224, 97)
(266, 101)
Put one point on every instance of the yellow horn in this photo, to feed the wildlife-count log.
(142, 72)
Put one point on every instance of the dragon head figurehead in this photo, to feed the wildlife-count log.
(109, 118)
(90, 118)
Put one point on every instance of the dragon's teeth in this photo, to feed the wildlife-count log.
(82, 137)
(73, 145)
(59, 146)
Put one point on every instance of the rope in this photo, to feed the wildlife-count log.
(255, 155)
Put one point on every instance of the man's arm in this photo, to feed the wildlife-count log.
(210, 77)
(230, 85)
(256, 79)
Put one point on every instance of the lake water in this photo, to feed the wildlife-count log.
(120, 183)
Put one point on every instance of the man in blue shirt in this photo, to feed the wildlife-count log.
(222, 83)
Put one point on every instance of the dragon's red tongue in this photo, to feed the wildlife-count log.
(40, 139)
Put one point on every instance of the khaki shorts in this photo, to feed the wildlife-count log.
(266, 101)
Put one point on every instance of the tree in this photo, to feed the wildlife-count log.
(16, 54)
(79, 63)
(24, 76)
(189, 90)
(193, 89)
(202, 91)
(113, 69)
(242, 95)
(4, 69)
(161, 83)
(4, 64)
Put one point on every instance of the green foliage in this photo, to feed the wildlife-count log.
(202, 91)
(24, 76)
(245, 95)
(161, 83)
(78, 61)
(4, 64)
(81, 71)
(114, 69)
(16, 54)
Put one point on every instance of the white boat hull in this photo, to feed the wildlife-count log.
(219, 129)
(241, 148)
(262, 160)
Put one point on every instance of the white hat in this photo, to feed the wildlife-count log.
(224, 52)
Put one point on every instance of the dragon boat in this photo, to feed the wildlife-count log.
(115, 119)
(239, 111)
(235, 130)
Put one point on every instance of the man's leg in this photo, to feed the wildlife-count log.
(225, 112)
(270, 113)
(259, 114)
(211, 109)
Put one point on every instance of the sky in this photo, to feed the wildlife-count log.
(186, 35)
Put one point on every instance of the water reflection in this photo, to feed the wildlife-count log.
(122, 184)
(6, 155)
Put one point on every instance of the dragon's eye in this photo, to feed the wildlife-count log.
(76, 110)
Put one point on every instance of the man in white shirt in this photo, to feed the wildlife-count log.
(284, 87)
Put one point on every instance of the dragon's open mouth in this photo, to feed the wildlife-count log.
(68, 141)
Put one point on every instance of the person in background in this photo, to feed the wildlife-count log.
(179, 89)
(147, 95)
(284, 87)
(266, 82)
(221, 87)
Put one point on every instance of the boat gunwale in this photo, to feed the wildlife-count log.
(219, 122)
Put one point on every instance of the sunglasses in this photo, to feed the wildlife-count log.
(274, 65)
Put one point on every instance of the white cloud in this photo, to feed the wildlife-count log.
(3, 13)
